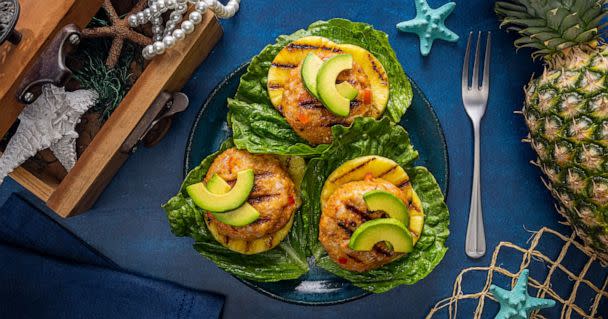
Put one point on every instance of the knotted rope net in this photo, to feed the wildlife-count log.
(572, 276)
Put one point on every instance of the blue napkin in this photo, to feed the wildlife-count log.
(48, 272)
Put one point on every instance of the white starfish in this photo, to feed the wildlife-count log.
(49, 122)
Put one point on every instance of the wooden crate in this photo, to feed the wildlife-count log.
(95, 168)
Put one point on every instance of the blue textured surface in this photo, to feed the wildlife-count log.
(127, 224)
(49, 273)
(424, 131)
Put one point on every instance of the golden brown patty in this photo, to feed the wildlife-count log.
(273, 193)
(309, 118)
(345, 211)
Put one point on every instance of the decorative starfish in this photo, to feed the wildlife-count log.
(49, 122)
(517, 304)
(119, 30)
(429, 25)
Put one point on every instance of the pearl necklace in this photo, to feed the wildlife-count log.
(167, 36)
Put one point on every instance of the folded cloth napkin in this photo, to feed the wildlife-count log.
(48, 272)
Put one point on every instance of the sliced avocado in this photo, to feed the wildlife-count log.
(309, 72)
(218, 185)
(310, 69)
(242, 216)
(382, 229)
(326, 84)
(347, 90)
(388, 203)
(218, 203)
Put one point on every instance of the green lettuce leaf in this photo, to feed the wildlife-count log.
(286, 261)
(260, 128)
(369, 137)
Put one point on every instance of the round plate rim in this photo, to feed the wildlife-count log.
(250, 284)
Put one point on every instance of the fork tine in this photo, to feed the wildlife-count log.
(475, 80)
(486, 64)
(465, 65)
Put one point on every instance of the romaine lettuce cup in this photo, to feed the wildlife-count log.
(285, 261)
(369, 137)
(259, 128)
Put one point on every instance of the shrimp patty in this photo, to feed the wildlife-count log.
(273, 194)
(309, 118)
(345, 211)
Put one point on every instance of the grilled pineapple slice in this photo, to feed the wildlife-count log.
(356, 170)
(294, 53)
(250, 247)
(375, 72)
(379, 167)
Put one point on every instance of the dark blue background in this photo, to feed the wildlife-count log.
(128, 225)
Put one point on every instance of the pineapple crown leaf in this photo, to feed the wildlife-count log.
(549, 26)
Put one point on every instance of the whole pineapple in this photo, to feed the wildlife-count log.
(566, 108)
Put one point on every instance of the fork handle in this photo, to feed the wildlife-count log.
(475, 245)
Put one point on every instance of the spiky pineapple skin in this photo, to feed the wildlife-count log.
(566, 111)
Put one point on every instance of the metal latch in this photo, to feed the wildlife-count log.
(157, 121)
(50, 66)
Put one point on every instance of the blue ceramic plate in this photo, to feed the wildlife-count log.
(317, 287)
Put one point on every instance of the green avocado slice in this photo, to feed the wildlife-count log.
(219, 203)
(326, 84)
(218, 185)
(388, 203)
(310, 69)
(347, 90)
(309, 72)
(242, 216)
(382, 229)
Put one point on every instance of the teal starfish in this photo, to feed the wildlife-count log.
(517, 304)
(429, 25)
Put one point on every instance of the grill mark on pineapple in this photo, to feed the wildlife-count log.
(310, 104)
(355, 210)
(294, 46)
(387, 171)
(275, 86)
(404, 183)
(284, 65)
(413, 207)
(358, 167)
(376, 68)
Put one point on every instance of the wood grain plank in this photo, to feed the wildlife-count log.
(40, 187)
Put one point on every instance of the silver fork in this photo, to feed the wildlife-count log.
(475, 100)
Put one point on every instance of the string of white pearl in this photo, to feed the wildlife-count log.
(167, 36)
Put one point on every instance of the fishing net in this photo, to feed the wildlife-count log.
(572, 276)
